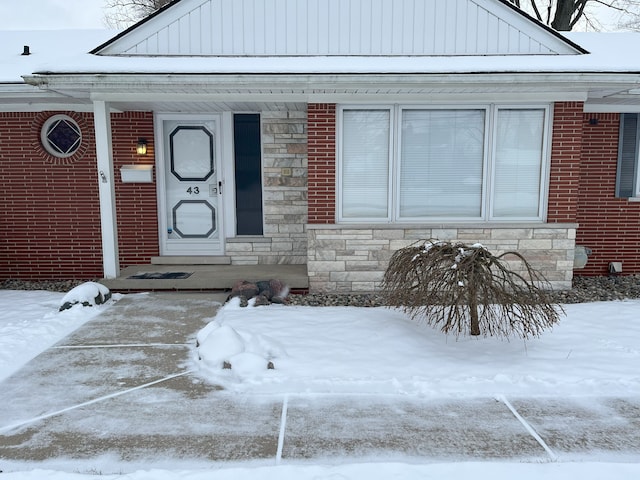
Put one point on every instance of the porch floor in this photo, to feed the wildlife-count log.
(205, 277)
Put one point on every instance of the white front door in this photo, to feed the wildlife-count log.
(190, 186)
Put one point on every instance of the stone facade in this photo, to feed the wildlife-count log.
(353, 258)
(284, 165)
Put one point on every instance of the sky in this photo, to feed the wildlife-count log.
(51, 14)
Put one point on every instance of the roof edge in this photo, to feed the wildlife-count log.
(96, 51)
(544, 26)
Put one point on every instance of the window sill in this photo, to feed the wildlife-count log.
(433, 225)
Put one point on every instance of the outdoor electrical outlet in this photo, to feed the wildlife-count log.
(286, 172)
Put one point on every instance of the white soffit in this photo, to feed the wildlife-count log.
(338, 27)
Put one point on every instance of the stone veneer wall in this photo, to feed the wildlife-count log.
(284, 164)
(353, 258)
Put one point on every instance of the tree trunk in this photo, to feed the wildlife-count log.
(473, 309)
(562, 18)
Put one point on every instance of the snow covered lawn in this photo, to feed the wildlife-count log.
(594, 351)
(30, 323)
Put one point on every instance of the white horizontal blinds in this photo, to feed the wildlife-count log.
(442, 156)
(518, 163)
(365, 163)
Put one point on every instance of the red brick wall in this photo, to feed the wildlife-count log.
(136, 203)
(50, 213)
(610, 226)
(322, 162)
(50, 219)
(564, 179)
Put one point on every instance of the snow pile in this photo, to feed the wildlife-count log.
(223, 347)
(88, 294)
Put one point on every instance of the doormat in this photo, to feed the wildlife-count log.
(160, 276)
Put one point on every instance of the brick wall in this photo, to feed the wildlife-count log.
(564, 179)
(609, 226)
(136, 203)
(322, 162)
(50, 217)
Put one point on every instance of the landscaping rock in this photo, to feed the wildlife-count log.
(264, 292)
(245, 289)
(87, 294)
(261, 300)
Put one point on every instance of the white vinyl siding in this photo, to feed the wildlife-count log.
(478, 163)
(338, 27)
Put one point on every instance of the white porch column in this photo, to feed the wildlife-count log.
(104, 154)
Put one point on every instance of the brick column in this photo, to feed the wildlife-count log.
(566, 148)
(322, 162)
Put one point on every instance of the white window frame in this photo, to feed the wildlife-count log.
(339, 146)
(489, 160)
(48, 144)
(628, 147)
(543, 188)
(398, 165)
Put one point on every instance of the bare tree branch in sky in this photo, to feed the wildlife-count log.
(565, 15)
(123, 13)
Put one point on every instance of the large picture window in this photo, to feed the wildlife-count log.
(484, 163)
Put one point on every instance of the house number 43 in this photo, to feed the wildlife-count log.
(193, 191)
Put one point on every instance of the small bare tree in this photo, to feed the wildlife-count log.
(466, 289)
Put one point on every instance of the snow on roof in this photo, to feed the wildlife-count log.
(66, 52)
(51, 47)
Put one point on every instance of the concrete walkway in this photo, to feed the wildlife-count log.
(118, 395)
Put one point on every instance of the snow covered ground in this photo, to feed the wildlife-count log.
(594, 351)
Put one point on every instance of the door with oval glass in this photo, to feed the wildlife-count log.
(191, 223)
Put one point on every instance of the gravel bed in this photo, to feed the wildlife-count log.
(585, 289)
(50, 285)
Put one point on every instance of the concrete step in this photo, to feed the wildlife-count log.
(190, 260)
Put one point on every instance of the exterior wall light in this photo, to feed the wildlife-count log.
(141, 147)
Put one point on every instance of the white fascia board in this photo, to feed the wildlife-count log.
(594, 107)
(310, 83)
(45, 107)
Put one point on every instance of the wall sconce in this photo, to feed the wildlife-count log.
(141, 147)
(593, 120)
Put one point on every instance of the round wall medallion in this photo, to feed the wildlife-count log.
(61, 136)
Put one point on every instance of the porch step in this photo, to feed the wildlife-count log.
(204, 277)
(190, 260)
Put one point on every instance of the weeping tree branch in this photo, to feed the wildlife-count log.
(467, 290)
